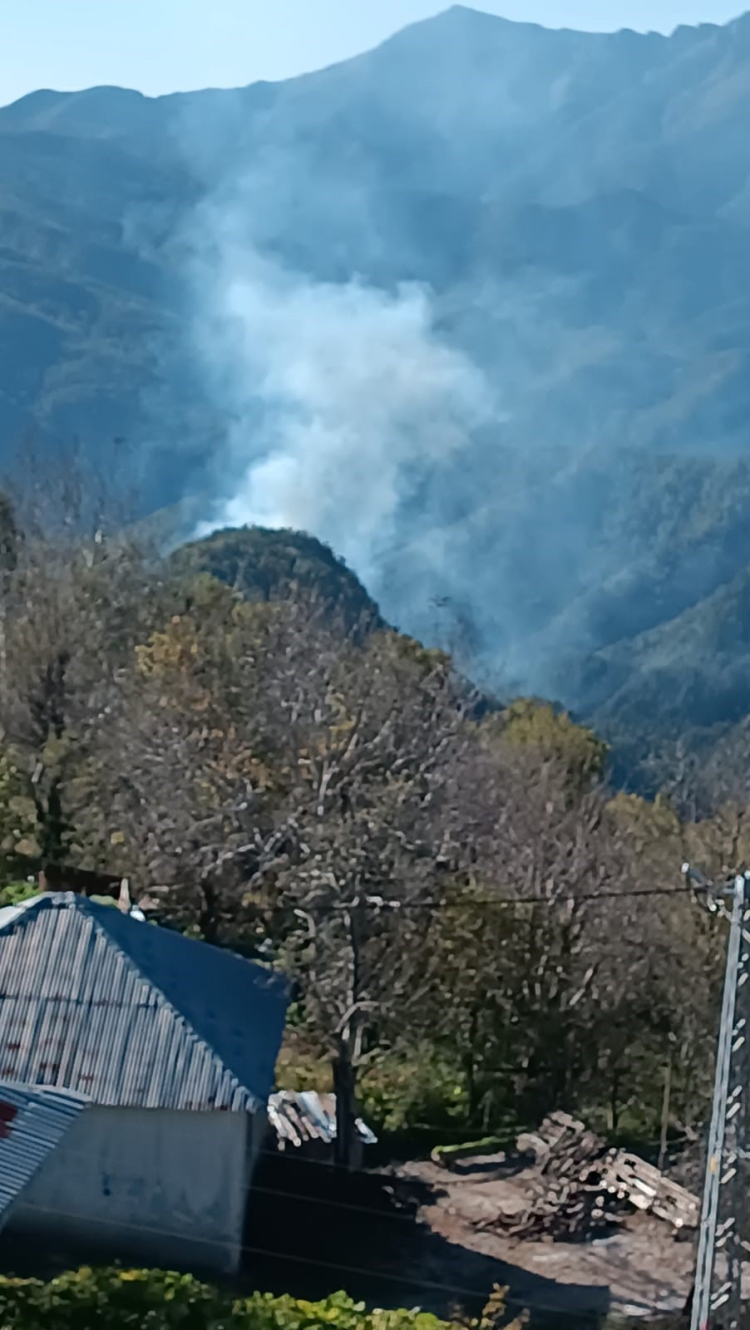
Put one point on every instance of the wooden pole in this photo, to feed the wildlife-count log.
(665, 1111)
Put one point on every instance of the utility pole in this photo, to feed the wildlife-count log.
(717, 1299)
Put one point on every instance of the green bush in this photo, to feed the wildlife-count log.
(418, 1089)
(14, 893)
(114, 1299)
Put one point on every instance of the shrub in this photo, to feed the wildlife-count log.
(420, 1088)
(401, 1092)
(114, 1299)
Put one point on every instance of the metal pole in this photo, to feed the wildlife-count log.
(732, 1227)
(704, 1273)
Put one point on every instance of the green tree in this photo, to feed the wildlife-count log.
(552, 734)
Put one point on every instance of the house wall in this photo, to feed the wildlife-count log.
(168, 1187)
(260, 1139)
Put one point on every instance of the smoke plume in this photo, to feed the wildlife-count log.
(346, 404)
(481, 336)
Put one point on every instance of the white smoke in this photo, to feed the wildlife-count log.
(345, 402)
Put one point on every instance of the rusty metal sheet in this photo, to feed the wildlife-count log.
(32, 1124)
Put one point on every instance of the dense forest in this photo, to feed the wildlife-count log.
(479, 926)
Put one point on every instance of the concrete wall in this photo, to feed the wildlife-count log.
(260, 1140)
(164, 1186)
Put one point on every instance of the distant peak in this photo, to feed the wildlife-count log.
(44, 99)
(463, 24)
(112, 90)
(465, 14)
(476, 23)
(471, 15)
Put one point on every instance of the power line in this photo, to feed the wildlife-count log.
(384, 903)
(505, 1140)
(319, 1263)
(372, 902)
(334, 1203)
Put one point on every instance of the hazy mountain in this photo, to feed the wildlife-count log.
(543, 448)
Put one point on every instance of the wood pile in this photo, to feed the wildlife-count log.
(568, 1201)
(629, 1178)
(303, 1117)
(580, 1188)
(560, 1137)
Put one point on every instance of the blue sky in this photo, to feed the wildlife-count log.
(165, 45)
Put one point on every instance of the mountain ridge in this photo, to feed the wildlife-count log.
(449, 17)
(572, 209)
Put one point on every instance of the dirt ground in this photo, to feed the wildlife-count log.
(407, 1236)
(642, 1269)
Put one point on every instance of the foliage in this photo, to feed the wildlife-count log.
(269, 566)
(114, 1299)
(416, 1089)
(301, 1066)
(527, 722)
(14, 893)
(454, 897)
(19, 829)
(75, 603)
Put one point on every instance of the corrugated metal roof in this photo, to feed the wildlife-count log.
(302, 1115)
(32, 1124)
(11, 912)
(130, 1014)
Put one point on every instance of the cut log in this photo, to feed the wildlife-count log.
(580, 1186)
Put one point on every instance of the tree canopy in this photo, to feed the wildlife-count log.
(454, 890)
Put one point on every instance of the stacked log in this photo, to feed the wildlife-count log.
(569, 1201)
(580, 1188)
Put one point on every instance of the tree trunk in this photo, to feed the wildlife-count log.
(344, 1086)
(51, 821)
(208, 921)
(665, 1107)
(470, 1071)
(613, 1111)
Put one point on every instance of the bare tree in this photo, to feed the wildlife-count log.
(284, 771)
(75, 599)
(364, 734)
(425, 877)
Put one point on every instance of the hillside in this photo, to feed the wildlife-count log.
(274, 565)
(546, 450)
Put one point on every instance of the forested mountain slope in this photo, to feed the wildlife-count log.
(563, 423)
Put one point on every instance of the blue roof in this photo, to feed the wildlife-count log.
(130, 1014)
(32, 1124)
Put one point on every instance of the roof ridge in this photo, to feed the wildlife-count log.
(98, 915)
(221, 1016)
(9, 914)
(135, 968)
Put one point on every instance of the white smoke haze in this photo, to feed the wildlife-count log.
(345, 402)
(504, 232)
(364, 410)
